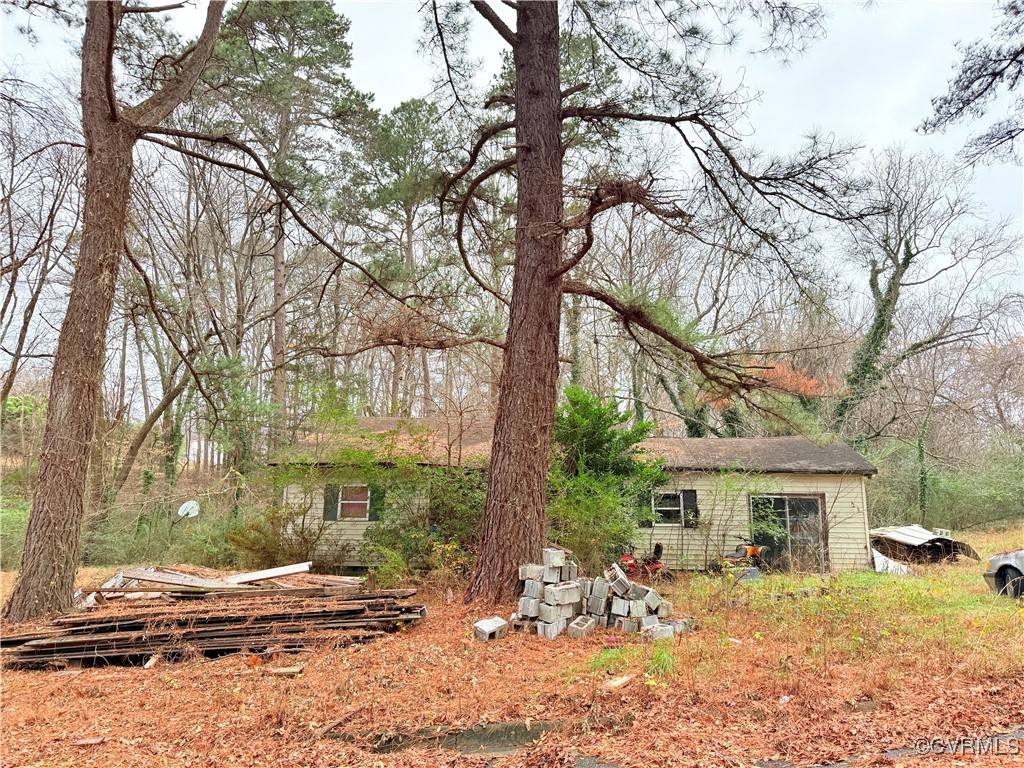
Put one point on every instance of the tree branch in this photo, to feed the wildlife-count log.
(495, 21)
(713, 367)
(151, 8)
(157, 107)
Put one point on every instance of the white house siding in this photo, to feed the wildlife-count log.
(723, 499)
(337, 534)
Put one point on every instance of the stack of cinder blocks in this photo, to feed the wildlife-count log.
(552, 596)
(556, 600)
(617, 602)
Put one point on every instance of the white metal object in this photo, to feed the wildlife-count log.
(189, 509)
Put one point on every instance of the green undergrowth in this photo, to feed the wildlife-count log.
(13, 524)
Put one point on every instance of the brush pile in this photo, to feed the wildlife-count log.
(192, 616)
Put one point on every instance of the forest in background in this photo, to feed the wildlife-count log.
(320, 260)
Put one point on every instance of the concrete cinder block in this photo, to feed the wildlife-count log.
(620, 607)
(629, 626)
(657, 632)
(552, 613)
(653, 599)
(491, 629)
(548, 613)
(551, 630)
(599, 588)
(648, 621)
(533, 588)
(524, 624)
(750, 573)
(664, 609)
(597, 605)
(681, 626)
(563, 593)
(602, 621)
(552, 574)
(613, 572)
(636, 592)
(554, 557)
(570, 571)
(529, 607)
(585, 585)
(617, 579)
(580, 608)
(637, 608)
(582, 627)
(531, 571)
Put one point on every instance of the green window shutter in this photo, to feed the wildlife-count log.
(331, 502)
(376, 502)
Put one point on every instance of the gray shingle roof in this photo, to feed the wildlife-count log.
(794, 455)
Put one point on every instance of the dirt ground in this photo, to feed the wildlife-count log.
(803, 671)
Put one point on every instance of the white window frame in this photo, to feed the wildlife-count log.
(339, 518)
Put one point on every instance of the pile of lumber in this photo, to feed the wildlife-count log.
(199, 616)
(156, 582)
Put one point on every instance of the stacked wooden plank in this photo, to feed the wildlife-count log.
(204, 616)
(156, 582)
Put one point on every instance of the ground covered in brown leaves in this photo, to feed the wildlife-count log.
(807, 671)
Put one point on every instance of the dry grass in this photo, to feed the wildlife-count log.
(810, 671)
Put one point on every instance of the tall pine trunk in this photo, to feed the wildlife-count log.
(46, 580)
(514, 513)
(45, 583)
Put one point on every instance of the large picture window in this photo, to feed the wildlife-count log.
(793, 526)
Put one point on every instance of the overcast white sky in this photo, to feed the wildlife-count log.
(870, 80)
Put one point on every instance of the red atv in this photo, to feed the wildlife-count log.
(648, 567)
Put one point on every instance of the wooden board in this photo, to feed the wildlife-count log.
(177, 579)
(269, 573)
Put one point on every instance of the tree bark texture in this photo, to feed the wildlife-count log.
(517, 486)
(46, 580)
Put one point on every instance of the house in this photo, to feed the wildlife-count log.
(807, 500)
(338, 478)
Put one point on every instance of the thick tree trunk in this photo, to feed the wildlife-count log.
(514, 513)
(45, 583)
(97, 455)
(46, 580)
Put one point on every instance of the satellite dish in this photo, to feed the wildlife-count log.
(189, 509)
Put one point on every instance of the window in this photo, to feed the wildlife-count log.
(348, 502)
(354, 503)
(678, 507)
(793, 527)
